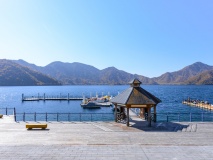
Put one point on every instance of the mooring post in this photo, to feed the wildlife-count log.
(190, 116)
(44, 96)
(6, 110)
(57, 117)
(22, 96)
(46, 116)
(68, 96)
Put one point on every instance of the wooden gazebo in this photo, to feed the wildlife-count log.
(135, 97)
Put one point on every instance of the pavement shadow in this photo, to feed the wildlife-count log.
(37, 129)
(158, 126)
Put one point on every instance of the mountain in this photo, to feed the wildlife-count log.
(29, 65)
(13, 74)
(72, 73)
(205, 77)
(78, 73)
(112, 75)
(146, 80)
(181, 76)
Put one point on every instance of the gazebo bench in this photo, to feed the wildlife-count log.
(30, 126)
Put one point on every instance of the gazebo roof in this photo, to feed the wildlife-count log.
(135, 95)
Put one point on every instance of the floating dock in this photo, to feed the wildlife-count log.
(52, 98)
(200, 104)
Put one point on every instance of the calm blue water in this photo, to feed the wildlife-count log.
(171, 96)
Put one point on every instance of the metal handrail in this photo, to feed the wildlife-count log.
(187, 116)
(66, 116)
(6, 109)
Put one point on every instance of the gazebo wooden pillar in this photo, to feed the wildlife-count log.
(136, 97)
(149, 116)
(116, 112)
(127, 123)
(155, 114)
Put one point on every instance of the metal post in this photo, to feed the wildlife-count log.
(24, 117)
(68, 96)
(155, 117)
(91, 117)
(80, 117)
(57, 117)
(22, 96)
(202, 116)
(6, 110)
(46, 116)
(190, 116)
(14, 112)
(35, 116)
(44, 96)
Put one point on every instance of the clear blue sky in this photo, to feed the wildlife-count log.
(147, 37)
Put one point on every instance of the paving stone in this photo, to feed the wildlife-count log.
(103, 140)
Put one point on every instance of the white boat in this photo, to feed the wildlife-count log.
(90, 105)
(96, 102)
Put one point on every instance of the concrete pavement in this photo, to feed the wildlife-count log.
(102, 140)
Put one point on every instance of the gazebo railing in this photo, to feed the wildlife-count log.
(121, 117)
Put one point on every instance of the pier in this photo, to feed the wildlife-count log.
(52, 98)
(198, 103)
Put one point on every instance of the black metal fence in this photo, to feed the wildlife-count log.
(80, 117)
(184, 117)
(7, 111)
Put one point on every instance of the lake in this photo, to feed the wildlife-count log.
(171, 96)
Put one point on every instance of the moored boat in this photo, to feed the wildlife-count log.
(90, 105)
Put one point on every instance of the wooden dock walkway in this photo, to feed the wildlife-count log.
(51, 98)
(200, 104)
